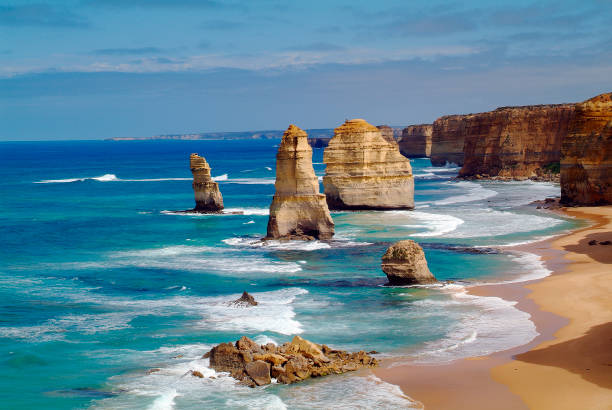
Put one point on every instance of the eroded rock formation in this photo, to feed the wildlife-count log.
(255, 365)
(207, 195)
(515, 142)
(416, 141)
(298, 210)
(365, 171)
(387, 133)
(448, 135)
(405, 264)
(586, 154)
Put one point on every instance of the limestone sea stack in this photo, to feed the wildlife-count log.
(416, 141)
(515, 142)
(447, 140)
(405, 264)
(586, 154)
(387, 133)
(207, 195)
(298, 210)
(365, 171)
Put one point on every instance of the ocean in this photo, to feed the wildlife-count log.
(102, 281)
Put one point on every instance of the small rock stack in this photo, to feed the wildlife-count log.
(207, 195)
(405, 264)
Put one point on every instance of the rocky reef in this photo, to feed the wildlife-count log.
(207, 195)
(404, 263)
(447, 138)
(298, 210)
(255, 365)
(415, 141)
(365, 171)
(515, 142)
(586, 154)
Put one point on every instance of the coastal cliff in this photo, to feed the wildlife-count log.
(415, 141)
(586, 154)
(298, 210)
(207, 195)
(447, 140)
(365, 171)
(387, 133)
(515, 142)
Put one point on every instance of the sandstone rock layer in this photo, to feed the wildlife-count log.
(405, 264)
(586, 154)
(416, 141)
(448, 135)
(299, 360)
(515, 142)
(207, 195)
(387, 133)
(298, 210)
(365, 171)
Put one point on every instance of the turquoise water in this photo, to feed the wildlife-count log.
(101, 281)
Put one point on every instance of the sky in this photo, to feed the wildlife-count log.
(91, 69)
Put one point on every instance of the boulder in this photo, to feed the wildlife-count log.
(298, 210)
(259, 371)
(366, 171)
(405, 264)
(207, 195)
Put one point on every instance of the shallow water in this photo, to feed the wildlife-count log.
(102, 281)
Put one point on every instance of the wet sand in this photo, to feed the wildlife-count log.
(568, 366)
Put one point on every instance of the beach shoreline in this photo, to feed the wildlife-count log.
(568, 365)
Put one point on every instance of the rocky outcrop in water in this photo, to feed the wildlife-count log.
(255, 365)
(515, 142)
(447, 138)
(416, 141)
(207, 195)
(245, 300)
(298, 210)
(405, 264)
(365, 171)
(586, 154)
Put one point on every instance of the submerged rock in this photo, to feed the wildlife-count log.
(255, 365)
(298, 210)
(365, 171)
(405, 264)
(207, 195)
(245, 300)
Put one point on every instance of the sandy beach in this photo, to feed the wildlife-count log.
(568, 366)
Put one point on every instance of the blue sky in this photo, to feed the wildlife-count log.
(86, 69)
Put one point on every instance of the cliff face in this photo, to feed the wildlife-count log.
(586, 154)
(207, 195)
(298, 210)
(365, 171)
(515, 142)
(416, 141)
(448, 134)
(387, 133)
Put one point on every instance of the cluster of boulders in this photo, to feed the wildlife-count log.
(256, 365)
